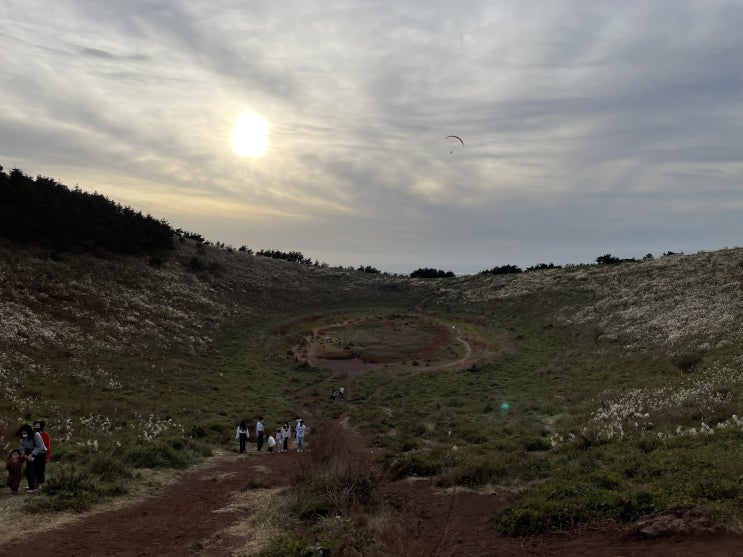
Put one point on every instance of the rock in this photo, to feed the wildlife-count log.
(683, 520)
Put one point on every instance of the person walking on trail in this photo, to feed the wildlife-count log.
(41, 466)
(14, 467)
(299, 434)
(242, 434)
(342, 392)
(286, 433)
(260, 432)
(279, 441)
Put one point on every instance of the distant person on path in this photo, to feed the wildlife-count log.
(280, 441)
(260, 432)
(299, 434)
(332, 395)
(342, 392)
(14, 467)
(286, 431)
(32, 449)
(242, 434)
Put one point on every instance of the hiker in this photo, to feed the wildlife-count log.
(342, 392)
(32, 450)
(299, 434)
(280, 440)
(271, 443)
(286, 432)
(40, 425)
(14, 467)
(41, 466)
(332, 395)
(260, 432)
(242, 434)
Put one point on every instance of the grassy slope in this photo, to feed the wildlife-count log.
(118, 354)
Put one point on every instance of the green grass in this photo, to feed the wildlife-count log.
(558, 350)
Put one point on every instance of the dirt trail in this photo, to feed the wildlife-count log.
(212, 510)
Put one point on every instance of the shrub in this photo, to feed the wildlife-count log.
(538, 444)
(174, 454)
(564, 503)
(108, 467)
(69, 489)
(283, 547)
(688, 361)
(333, 479)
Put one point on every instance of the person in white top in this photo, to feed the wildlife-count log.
(280, 441)
(271, 443)
(259, 432)
(286, 431)
(299, 434)
(242, 434)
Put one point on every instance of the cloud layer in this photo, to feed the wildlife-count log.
(588, 127)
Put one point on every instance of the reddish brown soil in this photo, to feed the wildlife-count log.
(194, 515)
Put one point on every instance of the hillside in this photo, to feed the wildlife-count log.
(590, 393)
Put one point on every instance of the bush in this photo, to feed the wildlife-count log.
(333, 478)
(538, 444)
(108, 467)
(68, 490)
(283, 547)
(687, 362)
(563, 504)
(174, 454)
(419, 463)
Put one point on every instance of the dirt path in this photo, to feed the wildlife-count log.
(204, 510)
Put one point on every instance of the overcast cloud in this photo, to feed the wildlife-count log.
(589, 127)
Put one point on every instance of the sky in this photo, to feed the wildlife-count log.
(589, 127)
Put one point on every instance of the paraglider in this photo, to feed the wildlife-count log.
(453, 138)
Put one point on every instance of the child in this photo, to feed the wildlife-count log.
(14, 466)
(280, 441)
(271, 443)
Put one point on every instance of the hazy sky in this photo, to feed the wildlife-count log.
(590, 127)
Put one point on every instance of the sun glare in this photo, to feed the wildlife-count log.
(250, 135)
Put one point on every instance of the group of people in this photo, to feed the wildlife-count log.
(341, 393)
(33, 452)
(280, 441)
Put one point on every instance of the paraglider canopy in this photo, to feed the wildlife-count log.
(454, 139)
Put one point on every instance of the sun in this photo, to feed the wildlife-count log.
(250, 135)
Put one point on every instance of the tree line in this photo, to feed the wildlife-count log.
(44, 212)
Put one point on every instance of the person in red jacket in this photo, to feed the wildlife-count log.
(39, 428)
